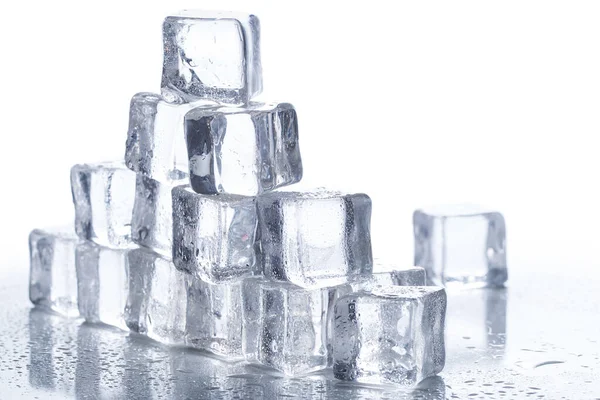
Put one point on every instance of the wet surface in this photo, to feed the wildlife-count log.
(538, 338)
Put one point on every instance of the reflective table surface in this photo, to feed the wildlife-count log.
(538, 338)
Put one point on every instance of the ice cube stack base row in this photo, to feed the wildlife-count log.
(188, 241)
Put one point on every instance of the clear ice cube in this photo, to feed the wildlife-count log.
(103, 195)
(157, 297)
(152, 220)
(52, 276)
(155, 144)
(214, 55)
(102, 284)
(393, 334)
(285, 326)
(243, 150)
(461, 245)
(213, 236)
(314, 239)
(214, 317)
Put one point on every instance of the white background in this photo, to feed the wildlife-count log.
(413, 103)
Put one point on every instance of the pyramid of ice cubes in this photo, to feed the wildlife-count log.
(188, 242)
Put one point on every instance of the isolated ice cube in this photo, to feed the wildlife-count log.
(103, 195)
(157, 297)
(243, 150)
(52, 276)
(392, 334)
(461, 245)
(213, 236)
(314, 239)
(214, 55)
(152, 220)
(285, 326)
(155, 139)
(102, 283)
(214, 317)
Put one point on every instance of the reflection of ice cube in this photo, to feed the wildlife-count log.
(461, 246)
(243, 150)
(52, 279)
(213, 55)
(314, 239)
(393, 334)
(103, 195)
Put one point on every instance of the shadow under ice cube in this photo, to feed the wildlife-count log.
(461, 245)
(213, 55)
(285, 326)
(52, 277)
(243, 150)
(213, 236)
(314, 239)
(393, 334)
(103, 196)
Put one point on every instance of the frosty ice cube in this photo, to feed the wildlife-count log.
(245, 150)
(157, 297)
(214, 317)
(102, 284)
(155, 139)
(285, 326)
(461, 245)
(152, 220)
(103, 195)
(394, 334)
(52, 276)
(214, 55)
(314, 239)
(213, 236)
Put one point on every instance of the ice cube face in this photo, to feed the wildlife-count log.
(390, 335)
(155, 144)
(102, 284)
(103, 195)
(152, 219)
(461, 246)
(213, 236)
(315, 239)
(157, 297)
(52, 279)
(243, 151)
(285, 326)
(214, 317)
(211, 55)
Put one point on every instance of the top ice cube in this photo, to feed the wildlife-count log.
(211, 55)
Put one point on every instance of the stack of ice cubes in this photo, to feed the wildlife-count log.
(189, 242)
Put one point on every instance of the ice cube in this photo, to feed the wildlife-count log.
(393, 334)
(155, 139)
(102, 284)
(157, 297)
(314, 239)
(52, 276)
(152, 220)
(214, 55)
(213, 236)
(103, 195)
(285, 326)
(243, 150)
(461, 245)
(214, 317)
